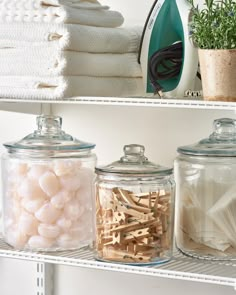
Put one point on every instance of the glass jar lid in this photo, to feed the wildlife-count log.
(134, 163)
(222, 142)
(49, 137)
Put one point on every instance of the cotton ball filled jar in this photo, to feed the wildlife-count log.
(48, 190)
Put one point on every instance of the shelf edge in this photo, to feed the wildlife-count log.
(143, 102)
(138, 270)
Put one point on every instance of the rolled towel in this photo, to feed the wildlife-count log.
(66, 87)
(39, 11)
(48, 61)
(71, 37)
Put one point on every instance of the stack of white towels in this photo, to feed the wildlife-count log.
(51, 49)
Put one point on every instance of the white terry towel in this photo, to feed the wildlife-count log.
(50, 62)
(66, 87)
(39, 11)
(39, 4)
(71, 37)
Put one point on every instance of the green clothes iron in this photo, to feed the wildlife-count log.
(168, 59)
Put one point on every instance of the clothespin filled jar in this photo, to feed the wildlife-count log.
(134, 210)
(205, 174)
(48, 190)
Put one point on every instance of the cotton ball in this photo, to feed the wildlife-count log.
(36, 171)
(30, 189)
(28, 224)
(64, 223)
(61, 198)
(70, 182)
(32, 205)
(39, 242)
(16, 238)
(84, 197)
(63, 167)
(19, 168)
(73, 210)
(48, 213)
(66, 241)
(15, 208)
(13, 194)
(49, 183)
(14, 181)
(16, 175)
(49, 231)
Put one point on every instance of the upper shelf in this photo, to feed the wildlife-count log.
(144, 102)
(180, 267)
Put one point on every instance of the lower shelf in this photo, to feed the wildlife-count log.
(180, 267)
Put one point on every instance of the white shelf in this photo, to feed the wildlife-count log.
(180, 267)
(144, 102)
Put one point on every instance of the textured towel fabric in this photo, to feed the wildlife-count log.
(39, 4)
(50, 62)
(65, 87)
(71, 37)
(39, 11)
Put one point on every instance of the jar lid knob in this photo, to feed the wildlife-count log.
(224, 129)
(49, 125)
(134, 153)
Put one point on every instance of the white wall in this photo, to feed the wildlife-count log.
(134, 12)
(160, 130)
(14, 126)
(73, 281)
(17, 277)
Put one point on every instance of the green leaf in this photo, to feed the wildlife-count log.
(215, 25)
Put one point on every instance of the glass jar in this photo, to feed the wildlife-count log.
(205, 175)
(48, 180)
(134, 210)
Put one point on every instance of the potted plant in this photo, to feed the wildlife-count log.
(213, 31)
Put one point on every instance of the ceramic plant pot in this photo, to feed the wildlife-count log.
(218, 70)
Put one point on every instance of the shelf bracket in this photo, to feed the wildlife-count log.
(45, 279)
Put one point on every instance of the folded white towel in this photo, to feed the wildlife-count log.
(39, 4)
(71, 37)
(42, 12)
(48, 61)
(66, 87)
